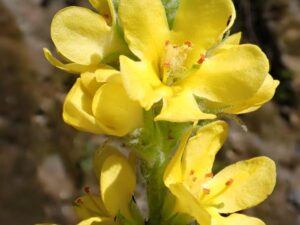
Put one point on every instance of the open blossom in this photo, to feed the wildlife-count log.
(117, 183)
(86, 39)
(98, 103)
(206, 197)
(190, 66)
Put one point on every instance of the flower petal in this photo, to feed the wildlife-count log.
(264, 94)
(173, 173)
(181, 107)
(101, 155)
(231, 76)
(145, 26)
(116, 172)
(77, 110)
(202, 22)
(141, 82)
(117, 112)
(68, 67)
(235, 219)
(89, 206)
(105, 8)
(242, 185)
(187, 203)
(201, 150)
(97, 221)
(80, 34)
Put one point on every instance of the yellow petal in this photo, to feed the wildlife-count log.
(89, 206)
(202, 22)
(145, 26)
(233, 39)
(181, 107)
(105, 8)
(264, 94)
(101, 155)
(231, 76)
(97, 221)
(242, 185)
(91, 80)
(77, 110)
(117, 184)
(173, 173)
(80, 34)
(201, 150)
(69, 67)
(235, 219)
(113, 109)
(141, 82)
(187, 203)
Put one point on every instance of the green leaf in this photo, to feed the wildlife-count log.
(171, 7)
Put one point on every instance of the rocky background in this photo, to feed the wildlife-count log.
(44, 163)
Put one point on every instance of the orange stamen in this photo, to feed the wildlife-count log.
(202, 59)
(206, 191)
(87, 190)
(229, 182)
(209, 175)
(79, 201)
(167, 42)
(192, 172)
(188, 43)
(194, 179)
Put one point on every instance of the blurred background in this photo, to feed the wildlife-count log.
(44, 164)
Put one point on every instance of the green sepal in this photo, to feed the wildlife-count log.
(136, 213)
(171, 7)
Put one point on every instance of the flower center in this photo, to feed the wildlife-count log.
(173, 63)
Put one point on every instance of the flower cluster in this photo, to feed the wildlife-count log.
(160, 74)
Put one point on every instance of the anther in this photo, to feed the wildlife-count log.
(229, 182)
(167, 65)
(167, 42)
(188, 43)
(79, 201)
(192, 172)
(87, 190)
(194, 179)
(202, 59)
(209, 175)
(206, 191)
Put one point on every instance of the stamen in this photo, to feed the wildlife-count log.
(167, 42)
(167, 65)
(206, 191)
(79, 201)
(194, 179)
(202, 59)
(188, 43)
(229, 182)
(209, 175)
(192, 172)
(87, 190)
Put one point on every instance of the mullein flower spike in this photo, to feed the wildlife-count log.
(182, 68)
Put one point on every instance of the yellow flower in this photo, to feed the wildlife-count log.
(117, 183)
(86, 38)
(205, 196)
(191, 60)
(98, 103)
